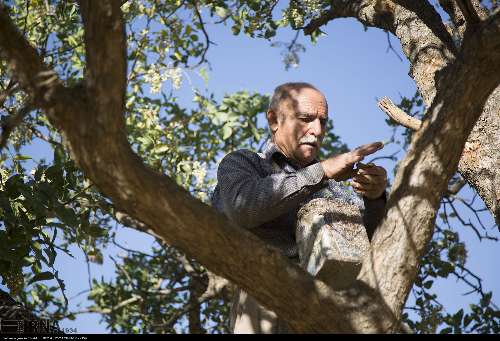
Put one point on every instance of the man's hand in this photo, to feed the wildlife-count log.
(341, 167)
(369, 180)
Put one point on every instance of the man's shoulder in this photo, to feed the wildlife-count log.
(243, 155)
(244, 161)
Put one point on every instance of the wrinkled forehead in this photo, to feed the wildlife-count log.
(306, 100)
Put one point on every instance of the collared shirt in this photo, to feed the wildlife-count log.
(263, 192)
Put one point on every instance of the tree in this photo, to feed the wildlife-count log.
(107, 107)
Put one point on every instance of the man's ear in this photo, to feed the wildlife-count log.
(272, 119)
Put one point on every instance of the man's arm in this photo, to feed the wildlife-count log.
(373, 213)
(249, 199)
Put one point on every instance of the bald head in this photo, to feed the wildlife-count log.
(285, 94)
(297, 117)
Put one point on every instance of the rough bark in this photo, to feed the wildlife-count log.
(92, 117)
(481, 155)
(430, 48)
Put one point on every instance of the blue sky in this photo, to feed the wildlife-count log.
(352, 68)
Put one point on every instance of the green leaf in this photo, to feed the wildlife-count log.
(59, 155)
(51, 254)
(22, 157)
(446, 330)
(42, 276)
(66, 215)
(467, 320)
(236, 29)
(485, 300)
(72, 11)
(457, 318)
(28, 261)
(226, 132)
(221, 12)
(204, 75)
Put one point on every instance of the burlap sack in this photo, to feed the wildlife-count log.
(331, 240)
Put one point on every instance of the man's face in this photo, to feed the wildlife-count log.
(302, 125)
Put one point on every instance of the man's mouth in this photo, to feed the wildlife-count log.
(310, 144)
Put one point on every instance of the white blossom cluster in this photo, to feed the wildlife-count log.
(156, 75)
(300, 10)
(199, 173)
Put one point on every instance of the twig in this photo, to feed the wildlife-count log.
(398, 115)
(207, 39)
(130, 250)
(124, 272)
(77, 195)
(12, 122)
(390, 47)
(456, 186)
(470, 224)
(391, 157)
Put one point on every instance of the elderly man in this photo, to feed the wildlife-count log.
(263, 191)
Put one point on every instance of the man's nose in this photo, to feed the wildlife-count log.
(315, 127)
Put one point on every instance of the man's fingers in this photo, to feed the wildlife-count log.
(373, 170)
(363, 186)
(359, 191)
(365, 179)
(368, 149)
(352, 158)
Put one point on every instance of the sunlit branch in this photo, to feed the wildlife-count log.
(398, 115)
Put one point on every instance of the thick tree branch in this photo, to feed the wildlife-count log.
(369, 12)
(475, 153)
(105, 54)
(429, 51)
(433, 157)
